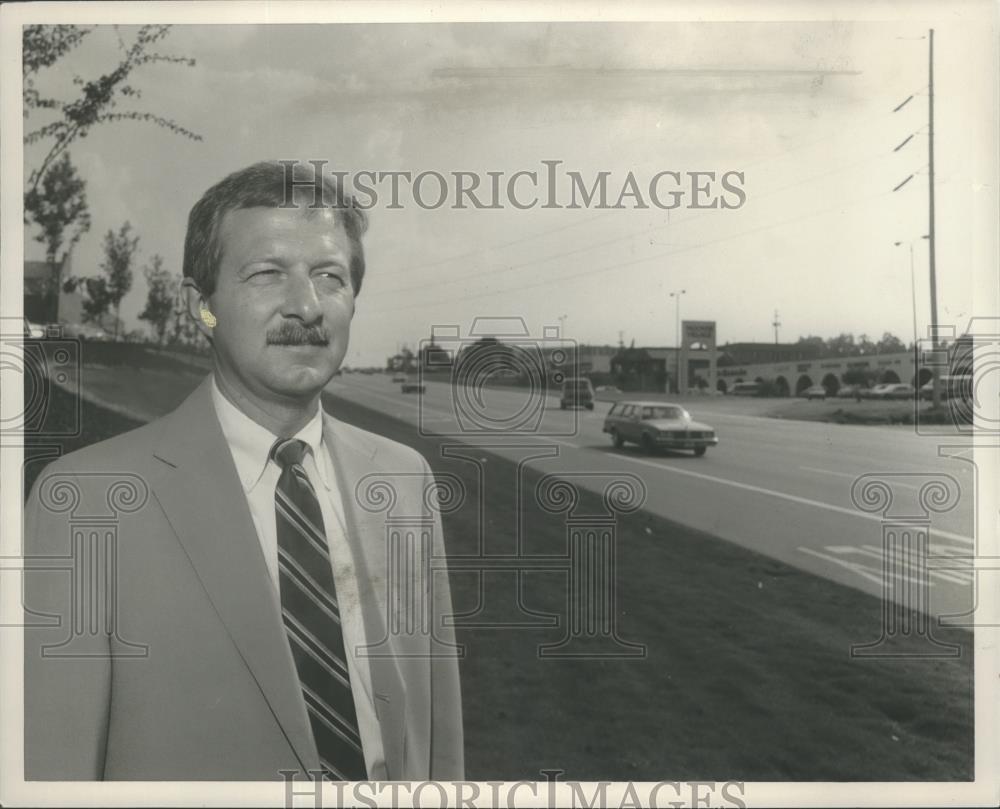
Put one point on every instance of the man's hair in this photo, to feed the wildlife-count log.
(269, 184)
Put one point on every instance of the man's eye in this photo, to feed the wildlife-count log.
(331, 278)
(264, 272)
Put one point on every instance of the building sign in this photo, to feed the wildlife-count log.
(699, 330)
(697, 346)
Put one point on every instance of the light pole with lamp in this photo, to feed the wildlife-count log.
(676, 295)
(913, 283)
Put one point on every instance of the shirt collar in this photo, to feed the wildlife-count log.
(250, 443)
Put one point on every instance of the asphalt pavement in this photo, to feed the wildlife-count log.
(779, 487)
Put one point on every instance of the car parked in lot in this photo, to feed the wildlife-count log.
(577, 392)
(891, 390)
(815, 392)
(412, 386)
(33, 330)
(899, 391)
(608, 389)
(85, 331)
(657, 425)
(399, 378)
(954, 386)
(878, 392)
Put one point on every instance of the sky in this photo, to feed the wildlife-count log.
(803, 110)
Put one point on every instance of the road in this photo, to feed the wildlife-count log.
(779, 487)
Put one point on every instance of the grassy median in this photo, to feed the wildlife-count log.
(747, 673)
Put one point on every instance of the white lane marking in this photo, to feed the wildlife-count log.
(862, 570)
(853, 477)
(960, 577)
(869, 551)
(804, 501)
(877, 553)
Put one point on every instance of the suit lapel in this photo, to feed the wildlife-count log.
(353, 460)
(199, 490)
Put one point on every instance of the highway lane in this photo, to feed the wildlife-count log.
(779, 487)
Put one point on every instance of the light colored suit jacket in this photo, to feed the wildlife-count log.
(154, 649)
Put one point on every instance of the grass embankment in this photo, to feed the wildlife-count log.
(867, 411)
(833, 410)
(747, 674)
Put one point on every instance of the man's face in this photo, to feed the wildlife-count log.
(283, 301)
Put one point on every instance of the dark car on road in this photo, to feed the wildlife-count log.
(657, 425)
(412, 386)
(577, 392)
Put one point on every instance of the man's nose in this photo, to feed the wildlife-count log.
(301, 300)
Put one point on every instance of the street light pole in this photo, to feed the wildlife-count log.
(677, 315)
(676, 295)
(913, 294)
(913, 286)
(936, 388)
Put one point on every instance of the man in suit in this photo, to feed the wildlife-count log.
(223, 601)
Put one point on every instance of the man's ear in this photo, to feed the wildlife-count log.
(197, 307)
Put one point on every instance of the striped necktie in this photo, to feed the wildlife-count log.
(312, 618)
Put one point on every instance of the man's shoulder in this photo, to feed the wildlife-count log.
(134, 449)
(383, 453)
(123, 452)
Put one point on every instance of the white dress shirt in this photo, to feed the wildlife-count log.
(250, 444)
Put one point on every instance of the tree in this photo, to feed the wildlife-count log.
(841, 346)
(890, 344)
(180, 316)
(866, 346)
(160, 300)
(98, 300)
(59, 208)
(97, 102)
(817, 344)
(104, 292)
(192, 335)
(433, 356)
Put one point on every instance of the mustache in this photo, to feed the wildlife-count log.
(295, 334)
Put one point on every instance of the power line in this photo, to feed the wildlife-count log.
(642, 260)
(840, 133)
(587, 248)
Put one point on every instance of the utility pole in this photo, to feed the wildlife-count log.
(932, 256)
(936, 387)
(776, 323)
